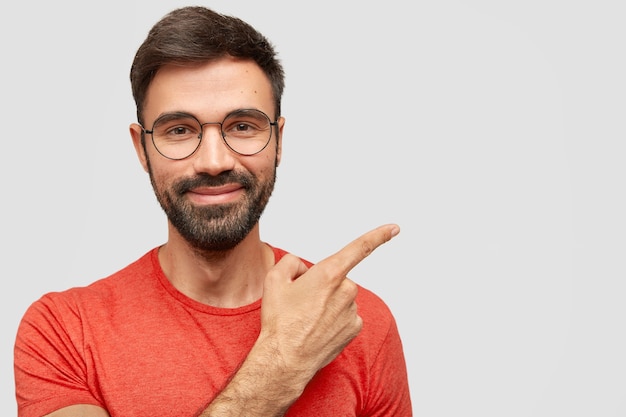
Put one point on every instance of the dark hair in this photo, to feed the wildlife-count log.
(191, 35)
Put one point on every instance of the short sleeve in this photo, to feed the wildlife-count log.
(49, 358)
(389, 392)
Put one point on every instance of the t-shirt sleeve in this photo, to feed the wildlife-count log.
(49, 358)
(389, 395)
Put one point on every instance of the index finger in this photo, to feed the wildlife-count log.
(360, 248)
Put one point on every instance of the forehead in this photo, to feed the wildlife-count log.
(209, 90)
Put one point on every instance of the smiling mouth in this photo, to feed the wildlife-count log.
(216, 195)
(216, 190)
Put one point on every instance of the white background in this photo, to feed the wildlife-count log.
(491, 131)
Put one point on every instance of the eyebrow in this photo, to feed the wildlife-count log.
(164, 117)
(167, 116)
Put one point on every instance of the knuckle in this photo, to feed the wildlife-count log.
(349, 289)
(290, 258)
(366, 248)
(329, 269)
(358, 325)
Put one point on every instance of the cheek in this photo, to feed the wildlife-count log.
(274, 156)
(264, 167)
(161, 176)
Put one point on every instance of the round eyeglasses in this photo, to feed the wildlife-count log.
(178, 135)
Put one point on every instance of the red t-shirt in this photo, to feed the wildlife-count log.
(134, 345)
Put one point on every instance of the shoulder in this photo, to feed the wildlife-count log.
(67, 306)
(378, 321)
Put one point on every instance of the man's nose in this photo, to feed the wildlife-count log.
(213, 156)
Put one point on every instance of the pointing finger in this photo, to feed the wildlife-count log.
(360, 248)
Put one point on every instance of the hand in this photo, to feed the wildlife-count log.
(310, 315)
(307, 317)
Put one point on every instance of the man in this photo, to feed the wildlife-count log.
(215, 322)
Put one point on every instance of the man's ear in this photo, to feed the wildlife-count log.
(136, 134)
(279, 144)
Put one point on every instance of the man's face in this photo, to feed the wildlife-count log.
(215, 197)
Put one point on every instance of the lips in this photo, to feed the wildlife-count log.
(212, 191)
(226, 182)
(223, 194)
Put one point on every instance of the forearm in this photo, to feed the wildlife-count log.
(265, 385)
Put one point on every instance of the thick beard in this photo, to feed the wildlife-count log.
(216, 227)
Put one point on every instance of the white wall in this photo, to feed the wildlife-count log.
(491, 131)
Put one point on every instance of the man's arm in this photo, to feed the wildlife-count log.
(305, 323)
(307, 317)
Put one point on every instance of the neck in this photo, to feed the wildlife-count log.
(227, 279)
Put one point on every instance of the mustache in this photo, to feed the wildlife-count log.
(204, 180)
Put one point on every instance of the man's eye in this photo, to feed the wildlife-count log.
(180, 130)
(242, 127)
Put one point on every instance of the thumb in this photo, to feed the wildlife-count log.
(287, 269)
